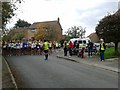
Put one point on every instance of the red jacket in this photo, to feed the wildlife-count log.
(70, 45)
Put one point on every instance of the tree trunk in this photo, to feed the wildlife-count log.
(116, 47)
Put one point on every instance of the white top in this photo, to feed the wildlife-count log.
(33, 45)
(21, 45)
(9, 44)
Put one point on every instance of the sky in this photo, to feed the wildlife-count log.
(85, 13)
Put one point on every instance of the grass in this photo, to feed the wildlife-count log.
(110, 53)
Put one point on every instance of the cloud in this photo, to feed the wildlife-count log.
(85, 13)
(91, 16)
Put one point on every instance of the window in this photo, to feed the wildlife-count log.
(80, 41)
(84, 41)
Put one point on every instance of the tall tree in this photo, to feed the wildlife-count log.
(21, 23)
(75, 32)
(8, 9)
(40, 32)
(109, 29)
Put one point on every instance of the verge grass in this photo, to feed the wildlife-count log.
(110, 53)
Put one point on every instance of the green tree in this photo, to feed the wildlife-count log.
(47, 31)
(18, 36)
(8, 9)
(21, 23)
(6, 37)
(13, 35)
(75, 32)
(109, 29)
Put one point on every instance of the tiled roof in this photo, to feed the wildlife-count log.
(53, 23)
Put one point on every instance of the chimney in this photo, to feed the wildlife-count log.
(58, 19)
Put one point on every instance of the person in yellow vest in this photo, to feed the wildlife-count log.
(50, 46)
(102, 49)
(46, 49)
(65, 47)
(57, 45)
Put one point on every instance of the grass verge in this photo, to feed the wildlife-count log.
(110, 53)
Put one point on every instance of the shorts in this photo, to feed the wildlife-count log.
(50, 47)
(45, 51)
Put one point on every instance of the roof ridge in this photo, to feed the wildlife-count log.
(45, 21)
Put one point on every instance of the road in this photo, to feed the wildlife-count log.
(59, 73)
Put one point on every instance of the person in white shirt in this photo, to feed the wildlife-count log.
(18, 48)
(33, 45)
(9, 48)
(41, 47)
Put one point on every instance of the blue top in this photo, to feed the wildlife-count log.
(25, 44)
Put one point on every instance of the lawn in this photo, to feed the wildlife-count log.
(110, 53)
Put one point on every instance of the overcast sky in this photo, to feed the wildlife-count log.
(85, 13)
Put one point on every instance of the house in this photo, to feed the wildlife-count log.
(94, 38)
(46, 25)
(21, 30)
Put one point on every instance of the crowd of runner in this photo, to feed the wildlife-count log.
(18, 48)
(28, 47)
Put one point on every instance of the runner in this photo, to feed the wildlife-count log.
(50, 47)
(25, 45)
(41, 47)
(37, 48)
(29, 48)
(18, 48)
(21, 48)
(46, 49)
(54, 45)
(33, 46)
(9, 48)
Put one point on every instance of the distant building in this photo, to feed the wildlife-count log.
(23, 31)
(94, 37)
(55, 24)
(30, 31)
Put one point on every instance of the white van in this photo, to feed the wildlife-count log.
(81, 41)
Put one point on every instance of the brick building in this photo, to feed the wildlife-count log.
(30, 31)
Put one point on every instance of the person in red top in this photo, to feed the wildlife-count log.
(70, 46)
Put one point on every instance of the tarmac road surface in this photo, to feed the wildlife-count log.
(59, 73)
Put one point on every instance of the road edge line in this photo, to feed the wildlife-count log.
(12, 77)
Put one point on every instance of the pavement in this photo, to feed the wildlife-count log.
(108, 64)
(6, 79)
